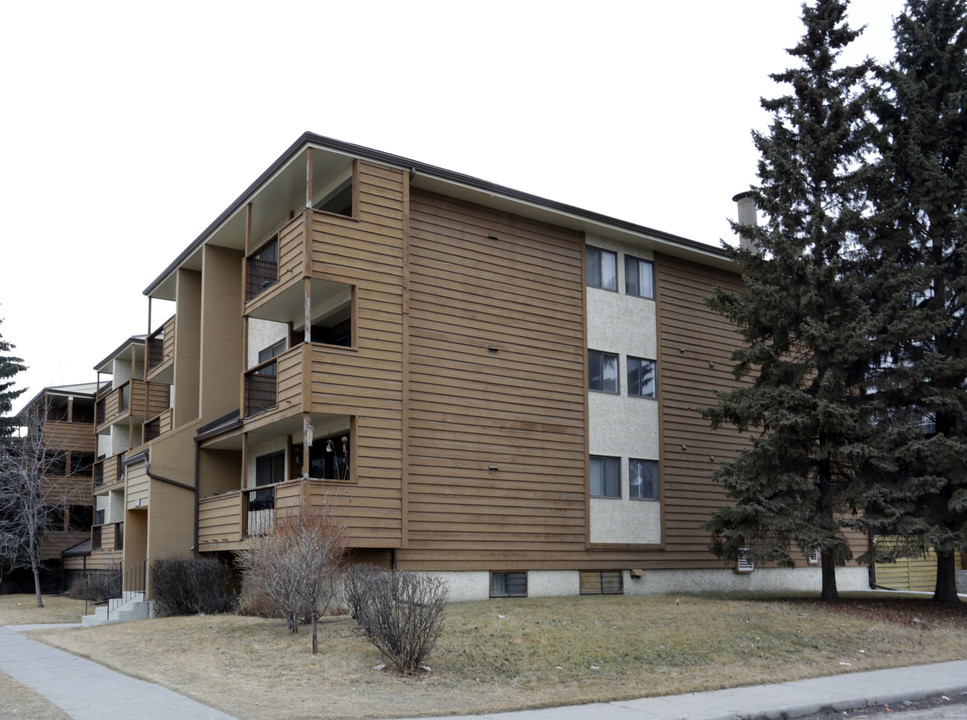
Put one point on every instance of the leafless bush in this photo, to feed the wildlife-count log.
(358, 586)
(297, 564)
(400, 612)
(188, 586)
(97, 587)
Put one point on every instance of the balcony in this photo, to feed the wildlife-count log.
(261, 388)
(161, 353)
(108, 471)
(272, 270)
(135, 397)
(107, 537)
(64, 435)
(157, 426)
(227, 521)
(233, 517)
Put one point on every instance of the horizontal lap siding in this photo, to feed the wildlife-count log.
(520, 408)
(695, 345)
(367, 383)
(69, 436)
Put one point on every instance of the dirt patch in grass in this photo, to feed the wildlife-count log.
(512, 654)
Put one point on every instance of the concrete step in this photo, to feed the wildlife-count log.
(132, 610)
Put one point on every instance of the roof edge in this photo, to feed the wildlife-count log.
(308, 139)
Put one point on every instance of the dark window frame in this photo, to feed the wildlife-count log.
(633, 277)
(595, 257)
(633, 373)
(596, 372)
(609, 582)
(655, 481)
(506, 583)
(609, 463)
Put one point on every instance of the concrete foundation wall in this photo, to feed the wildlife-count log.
(475, 585)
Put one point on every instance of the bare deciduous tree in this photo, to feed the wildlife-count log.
(297, 564)
(38, 483)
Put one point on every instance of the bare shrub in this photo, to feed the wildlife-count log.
(297, 564)
(97, 587)
(400, 612)
(254, 601)
(357, 586)
(188, 586)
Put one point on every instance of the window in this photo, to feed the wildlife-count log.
(605, 477)
(508, 584)
(639, 277)
(271, 351)
(602, 582)
(602, 268)
(269, 469)
(329, 458)
(602, 371)
(643, 479)
(641, 377)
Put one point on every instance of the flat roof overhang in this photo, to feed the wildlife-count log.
(284, 182)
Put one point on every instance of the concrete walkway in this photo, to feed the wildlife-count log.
(86, 690)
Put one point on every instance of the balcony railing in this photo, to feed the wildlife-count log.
(109, 470)
(161, 344)
(262, 268)
(241, 514)
(260, 511)
(261, 387)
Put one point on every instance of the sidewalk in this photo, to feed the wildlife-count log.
(86, 690)
(89, 691)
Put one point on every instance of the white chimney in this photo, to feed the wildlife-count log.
(747, 215)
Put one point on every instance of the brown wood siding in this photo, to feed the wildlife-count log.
(496, 400)
(69, 436)
(365, 382)
(56, 542)
(219, 519)
(695, 345)
(107, 559)
(291, 250)
(157, 399)
(138, 486)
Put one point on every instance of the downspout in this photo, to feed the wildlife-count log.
(194, 547)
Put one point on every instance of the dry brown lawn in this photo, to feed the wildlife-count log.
(22, 703)
(512, 654)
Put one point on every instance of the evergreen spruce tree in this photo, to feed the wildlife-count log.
(10, 366)
(919, 487)
(805, 318)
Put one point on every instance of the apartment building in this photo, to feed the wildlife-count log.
(57, 442)
(483, 384)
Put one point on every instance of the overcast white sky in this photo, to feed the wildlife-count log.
(128, 127)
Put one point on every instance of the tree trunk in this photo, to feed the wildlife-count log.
(315, 641)
(946, 589)
(35, 568)
(829, 578)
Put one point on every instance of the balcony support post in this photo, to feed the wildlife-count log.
(307, 431)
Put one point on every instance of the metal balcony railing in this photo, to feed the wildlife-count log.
(261, 388)
(262, 268)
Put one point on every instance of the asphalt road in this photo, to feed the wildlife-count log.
(937, 708)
